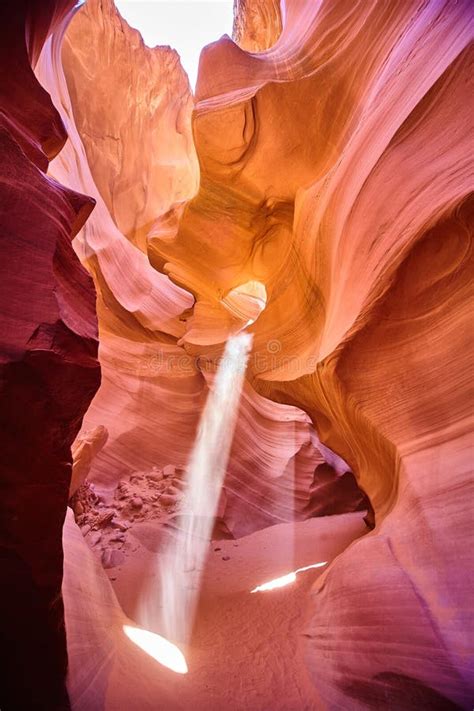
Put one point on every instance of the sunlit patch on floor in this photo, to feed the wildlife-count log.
(164, 652)
(286, 579)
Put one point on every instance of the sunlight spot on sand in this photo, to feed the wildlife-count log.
(164, 652)
(286, 579)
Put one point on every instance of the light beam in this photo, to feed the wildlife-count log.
(181, 563)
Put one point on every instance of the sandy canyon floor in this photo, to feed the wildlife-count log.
(246, 650)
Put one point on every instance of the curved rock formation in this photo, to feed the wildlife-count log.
(48, 366)
(424, 543)
(257, 25)
(140, 150)
(84, 449)
(319, 197)
(159, 349)
(145, 387)
(387, 230)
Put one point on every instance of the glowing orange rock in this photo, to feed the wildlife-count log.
(335, 172)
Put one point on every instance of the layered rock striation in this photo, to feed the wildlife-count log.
(316, 192)
(48, 364)
(164, 324)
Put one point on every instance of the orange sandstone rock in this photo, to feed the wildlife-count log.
(334, 222)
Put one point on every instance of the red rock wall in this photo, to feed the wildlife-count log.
(138, 160)
(384, 227)
(48, 366)
(390, 621)
(336, 180)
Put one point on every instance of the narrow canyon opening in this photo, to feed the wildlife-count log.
(238, 264)
(185, 25)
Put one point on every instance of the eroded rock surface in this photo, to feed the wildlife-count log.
(334, 222)
(48, 364)
(159, 346)
(257, 24)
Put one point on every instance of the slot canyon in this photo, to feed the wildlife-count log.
(236, 360)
